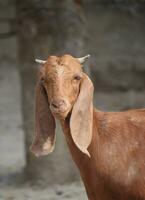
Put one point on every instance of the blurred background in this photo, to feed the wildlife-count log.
(113, 32)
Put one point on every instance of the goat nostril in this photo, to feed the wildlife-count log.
(54, 105)
(57, 104)
(61, 102)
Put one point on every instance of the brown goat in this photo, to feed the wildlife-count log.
(107, 147)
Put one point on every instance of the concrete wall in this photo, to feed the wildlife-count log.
(11, 132)
(117, 44)
(7, 31)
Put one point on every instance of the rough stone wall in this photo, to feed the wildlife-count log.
(11, 132)
(7, 31)
(118, 57)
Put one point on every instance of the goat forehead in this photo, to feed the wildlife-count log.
(66, 62)
(58, 70)
(61, 71)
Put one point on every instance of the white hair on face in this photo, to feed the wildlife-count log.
(59, 70)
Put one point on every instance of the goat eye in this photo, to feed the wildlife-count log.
(77, 77)
(42, 80)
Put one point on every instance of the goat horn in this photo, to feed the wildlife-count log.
(83, 59)
(40, 61)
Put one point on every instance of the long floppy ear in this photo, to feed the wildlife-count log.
(81, 121)
(44, 139)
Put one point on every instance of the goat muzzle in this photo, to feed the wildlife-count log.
(59, 107)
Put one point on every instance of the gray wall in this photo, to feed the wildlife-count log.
(117, 46)
(11, 132)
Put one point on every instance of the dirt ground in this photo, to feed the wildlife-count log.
(12, 147)
(72, 192)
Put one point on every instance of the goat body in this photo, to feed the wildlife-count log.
(116, 168)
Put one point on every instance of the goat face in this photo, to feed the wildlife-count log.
(61, 77)
(62, 87)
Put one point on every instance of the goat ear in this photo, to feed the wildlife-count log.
(81, 121)
(44, 139)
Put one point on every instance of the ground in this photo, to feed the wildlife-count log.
(72, 191)
(12, 148)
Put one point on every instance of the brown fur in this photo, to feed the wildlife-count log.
(107, 147)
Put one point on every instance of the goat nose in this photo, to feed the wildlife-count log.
(57, 103)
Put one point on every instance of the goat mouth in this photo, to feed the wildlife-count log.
(58, 110)
(60, 113)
